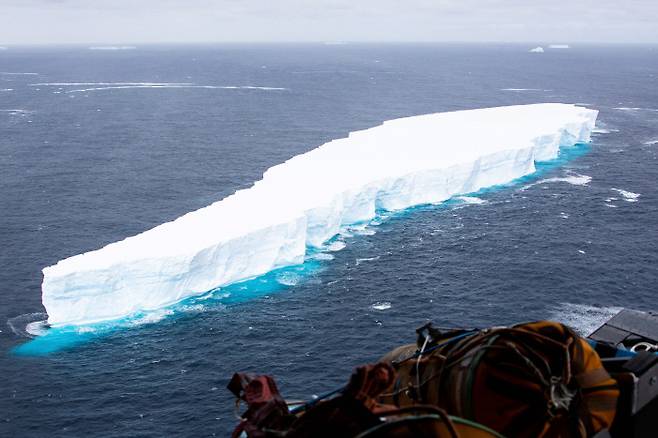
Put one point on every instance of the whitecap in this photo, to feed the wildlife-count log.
(365, 259)
(336, 246)
(29, 325)
(85, 329)
(634, 109)
(381, 305)
(18, 73)
(521, 89)
(575, 179)
(288, 278)
(208, 87)
(473, 200)
(583, 318)
(100, 86)
(80, 84)
(651, 142)
(151, 317)
(628, 196)
(6, 89)
(322, 256)
(112, 48)
(604, 130)
(16, 112)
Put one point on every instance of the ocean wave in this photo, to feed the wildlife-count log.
(381, 305)
(16, 112)
(604, 130)
(651, 142)
(471, 200)
(209, 87)
(101, 86)
(78, 84)
(6, 89)
(583, 318)
(112, 48)
(633, 109)
(628, 196)
(288, 278)
(322, 256)
(357, 262)
(336, 246)
(522, 89)
(575, 179)
(13, 73)
(29, 325)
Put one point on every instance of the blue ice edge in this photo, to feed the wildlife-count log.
(62, 338)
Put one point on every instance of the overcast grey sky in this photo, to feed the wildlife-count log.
(151, 21)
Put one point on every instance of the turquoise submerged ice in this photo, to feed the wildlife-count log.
(305, 201)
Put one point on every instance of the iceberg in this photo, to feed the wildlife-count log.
(305, 201)
(538, 49)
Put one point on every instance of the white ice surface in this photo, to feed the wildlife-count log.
(305, 201)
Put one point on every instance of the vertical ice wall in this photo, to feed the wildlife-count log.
(304, 202)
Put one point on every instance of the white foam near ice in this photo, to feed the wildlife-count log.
(306, 201)
(628, 196)
(575, 180)
(583, 318)
(604, 130)
(472, 200)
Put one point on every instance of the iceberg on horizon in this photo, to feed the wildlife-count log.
(538, 49)
(305, 201)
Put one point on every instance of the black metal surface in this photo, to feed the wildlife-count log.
(633, 322)
(637, 375)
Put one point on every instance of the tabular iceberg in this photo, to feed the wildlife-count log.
(305, 201)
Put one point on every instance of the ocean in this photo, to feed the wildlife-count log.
(98, 145)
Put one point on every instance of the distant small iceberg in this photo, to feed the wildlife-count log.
(559, 46)
(538, 49)
(112, 48)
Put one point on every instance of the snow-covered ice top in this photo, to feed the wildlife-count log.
(305, 201)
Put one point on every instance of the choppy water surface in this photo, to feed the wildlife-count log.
(99, 145)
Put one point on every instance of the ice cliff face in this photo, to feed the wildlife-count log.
(305, 201)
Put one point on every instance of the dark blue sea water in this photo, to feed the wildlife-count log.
(89, 162)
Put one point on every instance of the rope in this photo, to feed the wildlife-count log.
(417, 354)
